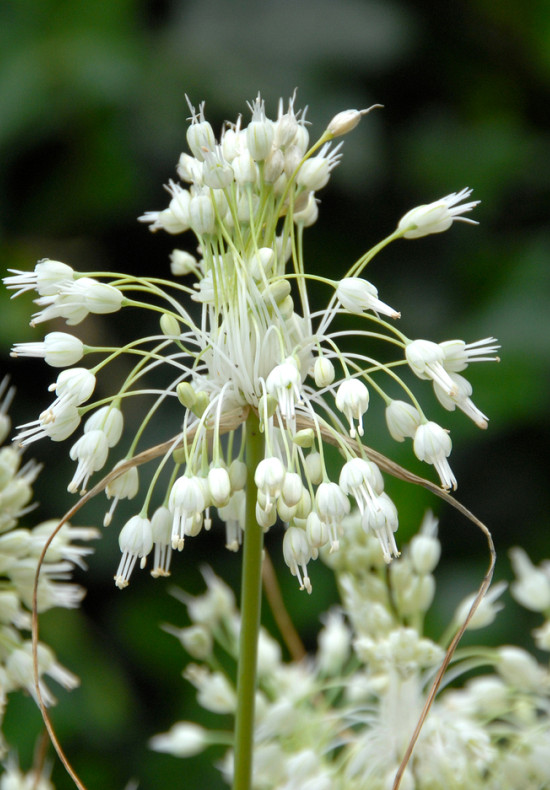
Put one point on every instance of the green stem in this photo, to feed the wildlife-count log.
(251, 598)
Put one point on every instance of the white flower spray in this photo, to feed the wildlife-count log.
(342, 717)
(263, 380)
(20, 549)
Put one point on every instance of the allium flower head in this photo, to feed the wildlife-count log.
(249, 349)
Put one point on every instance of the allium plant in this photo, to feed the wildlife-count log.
(341, 718)
(264, 381)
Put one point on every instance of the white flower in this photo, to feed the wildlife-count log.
(6, 397)
(91, 452)
(457, 354)
(381, 517)
(323, 371)
(314, 173)
(519, 668)
(269, 477)
(402, 419)
(216, 172)
(46, 279)
(426, 361)
(182, 263)
(215, 693)
(108, 419)
(334, 643)
(532, 586)
(201, 215)
(438, 216)
(432, 444)
(58, 422)
(332, 505)
(187, 503)
(486, 611)
(200, 135)
(74, 385)
(352, 398)
(124, 486)
(135, 540)
(358, 295)
(461, 398)
(259, 132)
(99, 298)
(425, 548)
(219, 485)
(297, 553)
(362, 479)
(343, 122)
(184, 739)
(161, 530)
(58, 349)
(283, 383)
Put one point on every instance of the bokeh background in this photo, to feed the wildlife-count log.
(92, 121)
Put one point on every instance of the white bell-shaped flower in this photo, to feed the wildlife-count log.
(363, 480)
(358, 295)
(461, 399)
(426, 360)
(161, 530)
(283, 383)
(74, 385)
(437, 216)
(297, 554)
(47, 278)
(402, 419)
(108, 419)
(332, 505)
(432, 444)
(188, 500)
(352, 399)
(59, 349)
(458, 354)
(323, 371)
(269, 477)
(90, 451)
(259, 132)
(135, 540)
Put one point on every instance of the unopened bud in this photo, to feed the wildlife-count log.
(169, 325)
(343, 122)
(186, 394)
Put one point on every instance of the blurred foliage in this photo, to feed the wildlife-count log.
(92, 121)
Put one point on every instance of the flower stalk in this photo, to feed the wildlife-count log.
(251, 599)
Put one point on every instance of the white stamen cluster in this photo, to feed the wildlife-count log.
(258, 347)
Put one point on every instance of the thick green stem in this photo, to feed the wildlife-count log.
(251, 599)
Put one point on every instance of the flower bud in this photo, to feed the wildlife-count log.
(201, 215)
(219, 485)
(259, 132)
(343, 122)
(323, 371)
(182, 263)
(402, 420)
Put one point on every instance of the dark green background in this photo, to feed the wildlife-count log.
(92, 121)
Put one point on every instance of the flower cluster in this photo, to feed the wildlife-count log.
(342, 717)
(256, 351)
(20, 549)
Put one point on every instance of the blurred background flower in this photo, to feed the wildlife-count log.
(93, 119)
